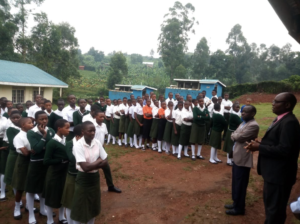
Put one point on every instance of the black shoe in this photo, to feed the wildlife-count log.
(187, 156)
(234, 212)
(35, 210)
(114, 189)
(54, 214)
(229, 164)
(193, 158)
(3, 199)
(19, 217)
(200, 157)
(229, 206)
(64, 221)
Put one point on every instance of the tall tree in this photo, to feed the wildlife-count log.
(136, 59)
(118, 69)
(201, 58)
(173, 38)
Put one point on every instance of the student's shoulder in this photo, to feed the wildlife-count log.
(69, 143)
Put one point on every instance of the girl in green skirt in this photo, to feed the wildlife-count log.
(138, 125)
(197, 137)
(234, 122)
(154, 126)
(185, 130)
(38, 138)
(177, 122)
(215, 141)
(69, 188)
(90, 157)
(169, 126)
(23, 149)
(123, 111)
(130, 131)
(116, 121)
(57, 161)
(129, 103)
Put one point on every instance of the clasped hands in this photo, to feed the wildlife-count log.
(253, 145)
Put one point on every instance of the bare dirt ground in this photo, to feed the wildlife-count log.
(261, 97)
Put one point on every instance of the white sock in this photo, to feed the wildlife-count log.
(114, 140)
(91, 221)
(125, 139)
(159, 145)
(49, 215)
(174, 149)
(186, 150)
(212, 154)
(61, 215)
(140, 141)
(108, 138)
(135, 141)
(17, 210)
(30, 205)
(15, 191)
(167, 147)
(119, 142)
(154, 145)
(143, 146)
(36, 197)
(164, 145)
(42, 205)
(130, 141)
(3, 185)
(216, 155)
(199, 150)
(193, 150)
(179, 151)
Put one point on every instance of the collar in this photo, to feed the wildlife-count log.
(14, 126)
(80, 112)
(236, 113)
(74, 140)
(36, 129)
(96, 124)
(217, 112)
(82, 141)
(70, 108)
(202, 109)
(58, 112)
(48, 113)
(59, 139)
(281, 116)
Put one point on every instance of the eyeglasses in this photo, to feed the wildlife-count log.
(276, 101)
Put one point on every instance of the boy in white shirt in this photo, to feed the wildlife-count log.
(226, 105)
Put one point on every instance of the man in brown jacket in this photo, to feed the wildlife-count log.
(242, 160)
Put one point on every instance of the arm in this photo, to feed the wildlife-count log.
(137, 120)
(36, 145)
(87, 167)
(75, 118)
(174, 127)
(69, 151)
(247, 134)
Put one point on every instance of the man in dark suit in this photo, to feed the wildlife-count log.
(278, 157)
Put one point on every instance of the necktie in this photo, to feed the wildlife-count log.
(273, 123)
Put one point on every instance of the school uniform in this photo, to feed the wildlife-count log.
(185, 132)
(5, 110)
(36, 110)
(168, 129)
(147, 122)
(48, 114)
(88, 107)
(130, 130)
(101, 131)
(31, 110)
(206, 100)
(168, 100)
(54, 116)
(123, 122)
(78, 116)
(101, 108)
(86, 203)
(176, 115)
(5, 115)
(68, 115)
(138, 130)
(226, 103)
(155, 120)
(108, 113)
(25, 113)
(126, 124)
(3, 155)
(115, 126)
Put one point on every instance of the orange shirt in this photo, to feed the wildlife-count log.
(147, 110)
(161, 112)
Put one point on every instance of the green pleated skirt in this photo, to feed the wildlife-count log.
(20, 172)
(10, 166)
(154, 127)
(138, 130)
(36, 175)
(107, 122)
(175, 137)
(115, 127)
(215, 139)
(127, 120)
(69, 190)
(130, 129)
(86, 201)
(185, 132)
(111, 126)
(122, 124)
(168, 132)
(198, 133)
(207, 126)
(228, 143)
(54, 184)
(3, 157)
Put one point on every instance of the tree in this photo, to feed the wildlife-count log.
(136, 59)
(152, 53)
(98, 55)
(118, 69)
(173, 38)
(180, 72)
(201, 58)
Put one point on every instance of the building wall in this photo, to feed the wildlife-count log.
(48, 93)
(6, 91)
(114, 94)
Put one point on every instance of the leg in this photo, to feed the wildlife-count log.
(199, 152)
(109, 181)
(119, 140)
(49, 215)
(186, 151)
(108, 139)
(193, 151)
(179, 151)
(30, 205)
(61, 215)
(3, 186)
(143, 143)
(159, 146)
(125, 139)
(42, 205)
(212, 155)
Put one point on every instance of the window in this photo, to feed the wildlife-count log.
(36, 92)
(18, 95)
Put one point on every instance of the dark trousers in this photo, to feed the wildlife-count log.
(226, 116)
(108, 176)
(240, 180)
(275, 199)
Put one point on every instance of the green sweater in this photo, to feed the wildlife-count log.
(55, 153)
(52, 119)
(234, 122)
(204, 116)
(5, 115)
(102, 109)
(11, 134)
(38, 143)
(24, 114)
(219, 123)
(72, 161)
(77, 117)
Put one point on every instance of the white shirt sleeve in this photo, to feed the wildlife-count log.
(18, 143)
(103, 154)
(79, 153)
(105, 129)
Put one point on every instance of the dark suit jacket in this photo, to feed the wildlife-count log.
(279, 151)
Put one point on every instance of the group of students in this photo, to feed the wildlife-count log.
(51, 158)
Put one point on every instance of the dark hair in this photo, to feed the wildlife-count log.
(86, 124)
(81, 99)
(22, 121)
(15, 112)
(129, 101)
(217, 106)
(180, 102)
(170, 102)
(169, 93)
(11, 108)
(19, 104)
(78, 130)
(194, 100)
(60, 100)
(36, 116)
(214, 90)
(94, 107)
(253, 108)
(98, 112)
(47, 101)
(8, 101)
(60, 123)
(204, 91)
(124, 98)
(291, 99)
(214, 99)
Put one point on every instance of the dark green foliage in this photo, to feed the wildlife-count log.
(136, 59)
(118, 69)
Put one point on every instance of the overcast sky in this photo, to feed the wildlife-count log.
(133, 26)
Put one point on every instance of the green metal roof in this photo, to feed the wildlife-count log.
(21, 74)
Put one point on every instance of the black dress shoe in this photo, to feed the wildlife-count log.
(54, 214)
(229, 206)
(200, 157)
(234, 212)
(19, 217)
(114, 189)
(35, 210)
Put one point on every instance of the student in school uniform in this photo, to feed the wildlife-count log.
(57, 161)
(68, 114)
(153, 98)
(185, 130)
(218, 125)
(170, 98)
(154, 126)
(28, 104)
(177, 122)
(101, 104)
(138, 126)
(206, 99)
(161, 99)
(147, 122)
(3, 107)
(227, 105)
(234, 122)
(89, 104)
(214, 94)
(116, 123)
(41, 107)
(57, 114)
(34, 107)
(79, 114)
(161, 126)
(123, 110)
(129, 103)
(130, 130)
(38, 138)
(169, 126)
(9, 105)
(86, 201)
(108, 118)
(19, 177)
(48, 108)
(4, 150)
(198, 132)
(20, 107)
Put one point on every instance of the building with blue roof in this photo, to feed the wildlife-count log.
(121, 91)
(195, 86)
(21, 82)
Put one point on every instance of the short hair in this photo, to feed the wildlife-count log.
(291, 99)
(94, 107)
(217, 106)
(70, 95)
(235, 104)
(124, 98)
(15, 112)
(194, 100)
(170, 102)
(253, 108)
(11, 108)
(38, 113)
(98, 112)
(78, 130)
(60, 100)
(47, 101)
(23, 120)
(131, 95)
(8, 101)
(214, 90)
(180, 102)
(170, 93)
(86, 124)
(129, 101)
(81, 99)
(60, 123)
(188, 95)
(204, 91)
(19, 104)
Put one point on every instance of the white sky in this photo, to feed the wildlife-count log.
(133, 26)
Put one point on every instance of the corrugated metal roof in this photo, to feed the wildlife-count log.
(21, 74)
(204, 81)
(141, 87)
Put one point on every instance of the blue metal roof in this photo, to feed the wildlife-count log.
(21, 74)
